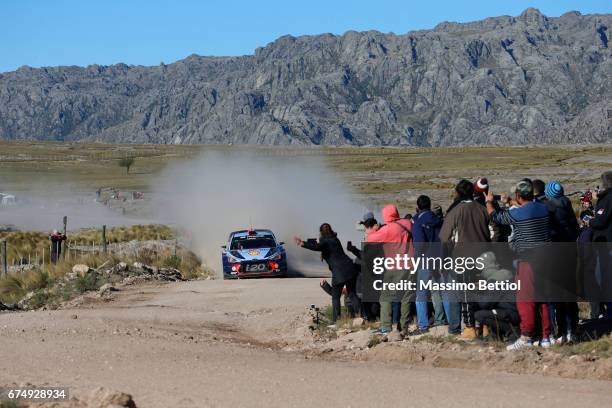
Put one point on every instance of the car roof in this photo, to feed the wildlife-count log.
(253, 233)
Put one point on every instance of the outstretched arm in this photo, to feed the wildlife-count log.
(312, 245)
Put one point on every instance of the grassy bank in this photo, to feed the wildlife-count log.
(48, 288)
(29, 246)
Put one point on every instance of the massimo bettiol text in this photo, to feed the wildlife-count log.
(412, 264)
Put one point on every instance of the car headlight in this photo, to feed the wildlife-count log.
(276, 256)
(233, 259)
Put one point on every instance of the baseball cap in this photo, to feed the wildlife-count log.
(524, 188)
(367, 216)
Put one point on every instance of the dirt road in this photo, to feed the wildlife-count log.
(218, 344)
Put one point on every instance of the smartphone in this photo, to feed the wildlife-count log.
(496, 197)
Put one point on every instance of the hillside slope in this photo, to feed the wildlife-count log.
(502, 80)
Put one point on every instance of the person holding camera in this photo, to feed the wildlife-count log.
(341, 266)
(531, 224)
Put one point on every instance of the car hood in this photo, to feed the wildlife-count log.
(252, 254)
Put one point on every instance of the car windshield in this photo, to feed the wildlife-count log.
(253, 243)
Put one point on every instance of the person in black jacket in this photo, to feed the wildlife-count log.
(601, 224)
(602, 221)
(341, 266)
(564, 224)
(498, 318)
(565, 228)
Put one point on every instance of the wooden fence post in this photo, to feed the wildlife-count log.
(104, 239)
(63, 243)
(4, 257)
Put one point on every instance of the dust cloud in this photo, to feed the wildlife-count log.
(220, 192)
(42, 204)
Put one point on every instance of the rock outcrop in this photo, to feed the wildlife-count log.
(502, 80)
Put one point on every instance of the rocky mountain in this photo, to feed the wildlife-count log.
(502, 80)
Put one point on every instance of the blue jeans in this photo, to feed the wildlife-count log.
(422, 299)
(452, 307)
(396, 308)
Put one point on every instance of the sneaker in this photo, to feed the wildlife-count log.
(381, 330)
(545, 343)
(570, 338)
(332, 326)
(417, 332)
(520, 343)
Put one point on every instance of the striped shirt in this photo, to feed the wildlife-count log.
(530, 224)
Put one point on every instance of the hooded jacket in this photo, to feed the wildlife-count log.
(602, 222)
(396, 233)
(564, 225)
(396, 229)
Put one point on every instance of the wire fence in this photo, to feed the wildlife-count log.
(72, 251)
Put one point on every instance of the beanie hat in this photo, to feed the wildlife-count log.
(553, 189)
(481, 185)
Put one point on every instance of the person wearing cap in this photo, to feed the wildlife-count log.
(481, 188)
(564, 228)
(369, 310)
(56, 239)
(466, 222)
(499, 233)
(564, 224)
(370, 224)
(531, 226)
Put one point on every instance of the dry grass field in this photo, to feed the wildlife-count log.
(372, 170)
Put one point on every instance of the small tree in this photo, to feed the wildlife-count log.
(127, 162)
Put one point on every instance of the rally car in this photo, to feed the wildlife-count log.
(253, 253)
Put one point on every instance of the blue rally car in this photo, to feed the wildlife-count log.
(253, 253)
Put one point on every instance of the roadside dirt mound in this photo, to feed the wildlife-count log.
(432, 351)
(483, 357)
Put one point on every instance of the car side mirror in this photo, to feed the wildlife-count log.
(281, 243)
(224, 246)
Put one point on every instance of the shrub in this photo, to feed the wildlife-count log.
(40, 298)
(36, 280)
(11, 289)
(88, 282)
(127, 162)
(173, 261)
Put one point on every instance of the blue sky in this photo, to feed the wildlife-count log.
(63, 32)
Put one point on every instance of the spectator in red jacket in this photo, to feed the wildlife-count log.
(396, 234)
